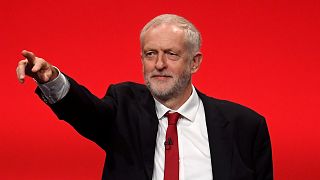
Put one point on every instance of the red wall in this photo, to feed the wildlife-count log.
(263, 54)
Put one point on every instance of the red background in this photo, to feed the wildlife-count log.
(262, 54)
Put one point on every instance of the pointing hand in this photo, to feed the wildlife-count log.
(35, 67)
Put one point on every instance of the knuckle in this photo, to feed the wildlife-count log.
(42, 61)
(39, 61)
(21, 62)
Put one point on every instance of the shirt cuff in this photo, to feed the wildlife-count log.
(56, 89)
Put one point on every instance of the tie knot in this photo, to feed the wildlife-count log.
(172, 118)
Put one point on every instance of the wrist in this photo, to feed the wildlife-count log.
(55, 73)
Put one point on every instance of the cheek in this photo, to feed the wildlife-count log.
(180, 69)
(146, 67)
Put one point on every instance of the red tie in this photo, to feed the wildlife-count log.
(171, 167)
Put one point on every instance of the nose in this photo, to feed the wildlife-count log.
(161, 62)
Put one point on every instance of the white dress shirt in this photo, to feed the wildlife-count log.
(56, 89)
(194, 151)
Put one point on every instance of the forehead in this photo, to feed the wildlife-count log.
(164, 36)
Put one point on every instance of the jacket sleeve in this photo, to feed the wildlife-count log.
(88, 114)
(262, 153)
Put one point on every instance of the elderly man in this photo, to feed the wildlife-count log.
(165, 129)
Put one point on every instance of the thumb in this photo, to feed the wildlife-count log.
(29, 55)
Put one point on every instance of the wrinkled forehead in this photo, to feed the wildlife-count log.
(164, 31)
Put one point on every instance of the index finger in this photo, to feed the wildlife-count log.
(29, 55)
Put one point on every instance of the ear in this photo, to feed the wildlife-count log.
(196, 61)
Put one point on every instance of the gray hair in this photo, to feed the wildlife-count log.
(192, 35)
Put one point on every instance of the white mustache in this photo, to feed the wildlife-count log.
(152, 74)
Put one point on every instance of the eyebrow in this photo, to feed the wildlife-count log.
(164, 50)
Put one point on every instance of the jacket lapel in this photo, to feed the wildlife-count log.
(148, 128)
(220, 139)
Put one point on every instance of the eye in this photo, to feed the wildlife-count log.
(150, 54)
(172, 55)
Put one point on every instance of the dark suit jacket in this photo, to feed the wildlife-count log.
(124, 123)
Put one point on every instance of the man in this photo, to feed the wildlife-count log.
(133, 123)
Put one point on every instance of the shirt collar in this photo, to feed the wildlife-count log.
(187, 110)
